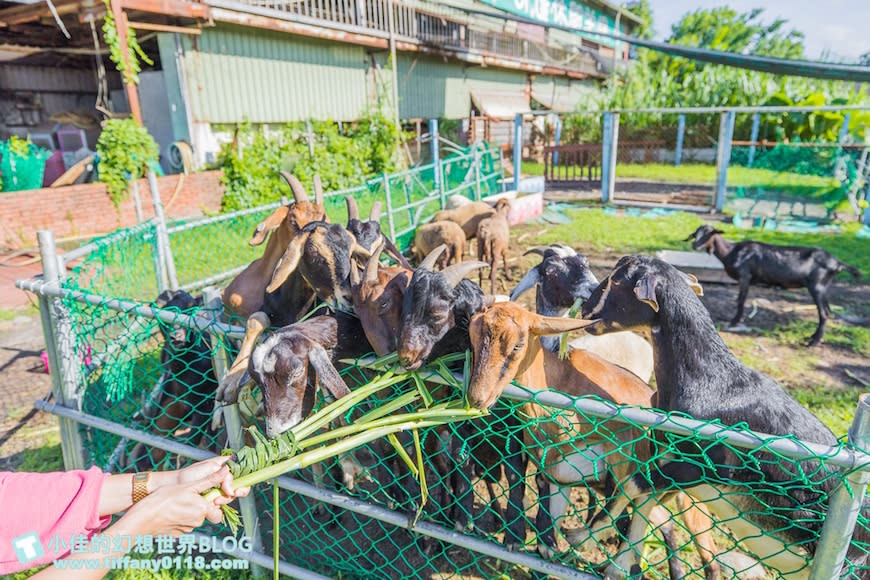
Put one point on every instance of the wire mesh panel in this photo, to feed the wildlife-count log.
(549, 478)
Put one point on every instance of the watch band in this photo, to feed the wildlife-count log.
(140, 485)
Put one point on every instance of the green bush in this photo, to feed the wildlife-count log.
(125, 150)
(343, 159)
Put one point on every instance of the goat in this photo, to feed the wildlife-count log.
(786, 267)
(563, 278)
(506, 347)
(322, 252)
(368, 233)
(436, 308)
(187, 386)
(493, 237)
(245, 294)
(696, 374)
(467, 216)
(429, 236)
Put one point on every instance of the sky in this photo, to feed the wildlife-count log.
(840, 27)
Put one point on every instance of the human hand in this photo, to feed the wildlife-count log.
(176, 509)
(202, 469)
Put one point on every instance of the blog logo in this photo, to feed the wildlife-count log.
(27, 547)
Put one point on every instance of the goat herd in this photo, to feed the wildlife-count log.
(644, 318)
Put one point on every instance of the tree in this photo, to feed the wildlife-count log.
(642, 10)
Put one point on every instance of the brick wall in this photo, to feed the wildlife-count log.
(86, 210)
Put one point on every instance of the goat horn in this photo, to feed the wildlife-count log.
(545, 325)
(352, 209)
(429, 261)
(358, 250)
(375, 214)
(372, 265)
(457, 272)
(318, 191)
(295, 186)
(539, 250)
(527, 283)
(693, 283)
(288, 262)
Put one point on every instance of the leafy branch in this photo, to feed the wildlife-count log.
(133, 50)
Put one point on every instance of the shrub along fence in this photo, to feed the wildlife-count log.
(135, 385)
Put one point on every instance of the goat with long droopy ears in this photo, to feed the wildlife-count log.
(787, 267)
(429, 236)
(246, 293)
(467, 216)
(779, 520)
(561, 279)
(506, 347)
(493, 237)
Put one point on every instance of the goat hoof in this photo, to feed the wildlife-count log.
(546, 552)
(614, 572)
(513, 546)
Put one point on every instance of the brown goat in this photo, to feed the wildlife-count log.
(429, 236)
(244, 295)
(493, 237)
(466, 216)
(506, 347)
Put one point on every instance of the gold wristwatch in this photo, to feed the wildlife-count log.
(140, 485)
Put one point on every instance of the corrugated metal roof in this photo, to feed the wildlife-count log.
(563, 95)
(238, 73)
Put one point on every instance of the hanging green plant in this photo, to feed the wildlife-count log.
(125, 150)
(134, 51)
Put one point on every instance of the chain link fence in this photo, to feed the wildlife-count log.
(135, 391)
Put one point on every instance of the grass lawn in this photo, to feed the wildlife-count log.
(703, 174)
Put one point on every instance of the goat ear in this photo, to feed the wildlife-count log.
(544, 325)
(457, 272)
(318, 191)
(327, 376)
(693, 283)
(267, 225)
(717, 231)
(288, 262)
(527, 283)
(645, 291)
(429, 261)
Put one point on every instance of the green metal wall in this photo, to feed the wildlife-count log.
(236, 74)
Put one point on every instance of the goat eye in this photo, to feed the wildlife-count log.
(519, 346)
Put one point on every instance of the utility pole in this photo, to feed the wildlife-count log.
(132, 92)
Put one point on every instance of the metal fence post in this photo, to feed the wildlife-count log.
(557, 138)
(61, 350)
(608, 155)
(434, 144)
(389, 201)
(162, 235)
(247, 505)
(844, 129)
(753, 137)
(723, 157)
(518, 150)
(476, 162)
(844, 504)
(681, 131)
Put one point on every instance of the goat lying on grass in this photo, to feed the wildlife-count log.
(506, 346)
(561, 279)
(787, 267)
(774, 507)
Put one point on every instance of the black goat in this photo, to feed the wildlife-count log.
(188, 384)
(784, 266)
(436, 310)
(771, 505)
(368, 233)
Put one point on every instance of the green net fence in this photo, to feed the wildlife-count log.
(494, 480)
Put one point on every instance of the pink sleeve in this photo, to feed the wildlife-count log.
(54, 506)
